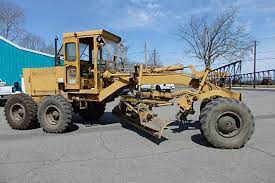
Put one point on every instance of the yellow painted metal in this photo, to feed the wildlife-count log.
(219, 93)
(95, 70)
(184, 103)
(75, 38)
(108, 91)
(51, 81)
(84, 34)
(164, 78)
(70, 64)
(101, 84)
(43, 81)
(196, 73)
(202, 83)
(162, 69)
(135, 124)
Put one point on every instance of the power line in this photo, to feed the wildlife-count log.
(267, 58)
(268, 37)
(263, 59)
(266, 52)
(138, 52)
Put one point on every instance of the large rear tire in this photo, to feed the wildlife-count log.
(55, 114)
(21, 111)
(226, 123)
(93, 112)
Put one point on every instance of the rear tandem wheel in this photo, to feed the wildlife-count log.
(21, 111)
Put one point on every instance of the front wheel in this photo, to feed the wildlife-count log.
(226, 123)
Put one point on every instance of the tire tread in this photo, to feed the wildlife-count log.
(68, 114)
(31, 111)
(207, 111)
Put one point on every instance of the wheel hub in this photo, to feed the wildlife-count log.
(55, 114)
(20, 112)
(229, 124)
(17, 112)
(52, 115)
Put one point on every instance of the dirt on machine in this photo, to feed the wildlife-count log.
(92, 75)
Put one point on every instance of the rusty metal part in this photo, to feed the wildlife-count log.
(141, 116)
(163, 69)
(160, 126)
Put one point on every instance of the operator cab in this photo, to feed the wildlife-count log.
(87, 55)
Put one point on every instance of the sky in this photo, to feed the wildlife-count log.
(152, 21)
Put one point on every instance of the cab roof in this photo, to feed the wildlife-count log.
(104, 33)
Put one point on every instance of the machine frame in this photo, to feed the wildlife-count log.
(85, 87)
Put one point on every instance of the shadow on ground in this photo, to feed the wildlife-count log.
(143, 134)
(190, 125)
(183, 126)
(200, 140)
(2, 103)
(108, 119)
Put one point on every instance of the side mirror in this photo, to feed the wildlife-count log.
(100, 41)
(57, 60)
(114, 58)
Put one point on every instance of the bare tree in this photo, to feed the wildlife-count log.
(11, 20)
(124, 47)
(48, 49)
(130, 65)
(154, 59)
(220, 38)
(127, 64)
(34, 42)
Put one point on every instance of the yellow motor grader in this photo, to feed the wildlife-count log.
(90, 78)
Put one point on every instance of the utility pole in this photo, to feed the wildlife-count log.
(154, 57)
(255, 50)
(145, 55)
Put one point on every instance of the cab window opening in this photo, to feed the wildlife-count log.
(70, 51)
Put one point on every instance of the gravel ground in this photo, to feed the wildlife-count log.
(110, 152)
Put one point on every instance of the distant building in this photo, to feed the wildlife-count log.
(14, 58)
